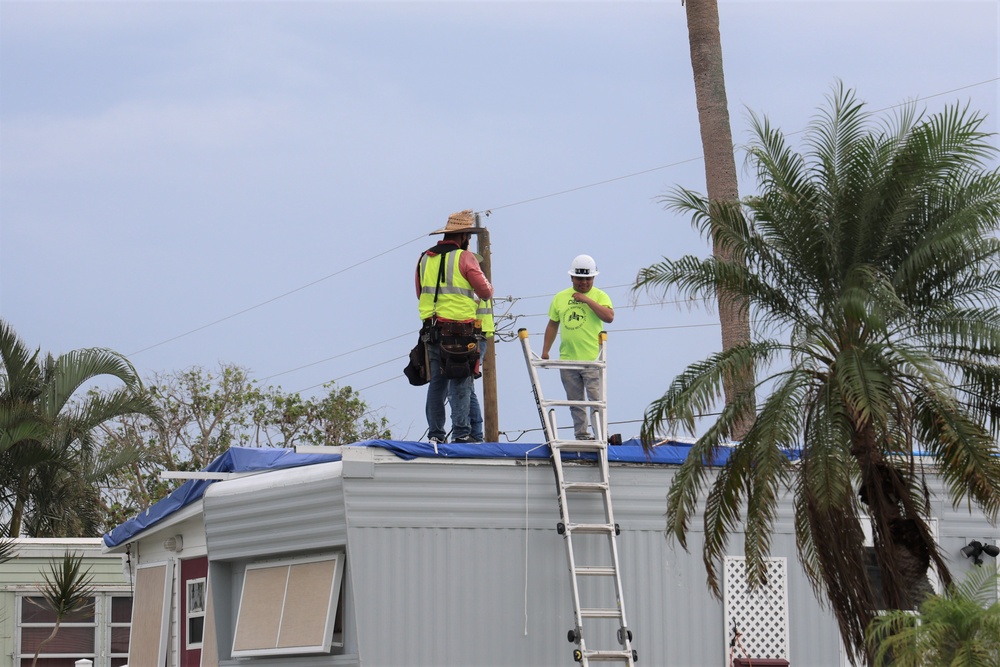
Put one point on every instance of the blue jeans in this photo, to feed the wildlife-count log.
(458, 392)
(475, 409)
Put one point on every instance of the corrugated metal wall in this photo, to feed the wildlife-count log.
(442, 549)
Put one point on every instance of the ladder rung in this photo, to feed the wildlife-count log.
(577, 448)
(567, 403)
(577, 445)
(585, 486)
(568, 364)
(590, 528)
(615, 656)
(596, 570)
(600, 613)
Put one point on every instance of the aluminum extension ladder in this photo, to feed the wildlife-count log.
(606, 619)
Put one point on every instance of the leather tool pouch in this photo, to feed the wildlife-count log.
(459, 355)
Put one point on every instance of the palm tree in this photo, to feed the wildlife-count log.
(960, 628)
(873, 275)
(48, 459)
(720, 178)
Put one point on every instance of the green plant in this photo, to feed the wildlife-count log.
(960, 628)
(67, 591)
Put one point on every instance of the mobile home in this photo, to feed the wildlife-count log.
(389, 553)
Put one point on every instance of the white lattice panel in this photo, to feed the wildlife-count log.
(760, 614)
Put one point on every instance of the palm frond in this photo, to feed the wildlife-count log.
(959, 627)
(67, 587)
(72, 370)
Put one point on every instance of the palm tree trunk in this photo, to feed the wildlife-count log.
(720, 174)
(45, 641)
(17, 512)
(905, 558)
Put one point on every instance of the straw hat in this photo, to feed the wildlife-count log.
(459, 223)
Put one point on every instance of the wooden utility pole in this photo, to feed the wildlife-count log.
(491, 421)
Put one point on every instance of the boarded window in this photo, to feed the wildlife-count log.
(150, 614)
(289, 607)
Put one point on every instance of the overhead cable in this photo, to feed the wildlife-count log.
(488, 211)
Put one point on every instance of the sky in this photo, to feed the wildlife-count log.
(202, 183)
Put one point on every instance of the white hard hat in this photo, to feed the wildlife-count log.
(583, 266)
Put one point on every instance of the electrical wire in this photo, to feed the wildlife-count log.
(335, 380)
(410, 333)
(505, 331)
(273, 299)
(337, 356)
(487, 212)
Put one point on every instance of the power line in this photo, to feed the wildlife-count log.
(488, 212)
(337, 356)
(513, 317)
(607, 288)
(381, 363)
(272, 299)
(410, 333)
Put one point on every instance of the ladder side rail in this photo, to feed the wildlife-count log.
(536, 385)
(567, 535)
(612, 536)
(599, 418)
(549, 426)
(613, 544)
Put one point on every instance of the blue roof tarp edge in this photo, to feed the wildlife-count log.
(236, 459)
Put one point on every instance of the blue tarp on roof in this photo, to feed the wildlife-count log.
(237, 459)
(630, 451)
(249, 459)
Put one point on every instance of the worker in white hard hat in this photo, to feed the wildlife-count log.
(580, 312)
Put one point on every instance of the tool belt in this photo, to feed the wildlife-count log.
(458, 343)
(457, 328)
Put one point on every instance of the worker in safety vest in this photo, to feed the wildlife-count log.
(484, 323)
(449, 280)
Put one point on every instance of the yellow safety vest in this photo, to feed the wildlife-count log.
(455, 296)
(484, 314)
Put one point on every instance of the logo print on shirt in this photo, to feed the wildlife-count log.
(576, 317)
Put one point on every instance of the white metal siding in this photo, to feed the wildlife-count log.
(282, 512)
(458, 562)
